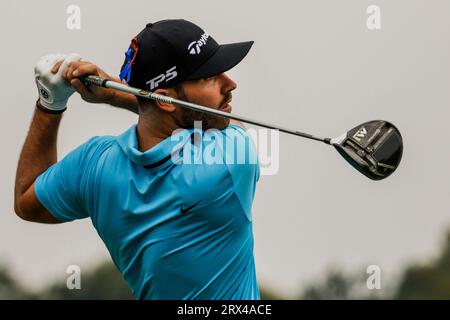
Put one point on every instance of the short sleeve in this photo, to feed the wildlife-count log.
(59, 187)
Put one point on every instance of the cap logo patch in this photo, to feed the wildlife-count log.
(195, 46)
(169, 75)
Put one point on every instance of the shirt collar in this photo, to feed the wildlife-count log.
(171, 145)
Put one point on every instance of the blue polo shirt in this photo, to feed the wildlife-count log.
(176, 218)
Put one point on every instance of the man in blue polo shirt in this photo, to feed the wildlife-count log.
(172, 202)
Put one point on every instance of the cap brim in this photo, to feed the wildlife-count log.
(225, 58)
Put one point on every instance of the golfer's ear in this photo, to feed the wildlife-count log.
(167, 107)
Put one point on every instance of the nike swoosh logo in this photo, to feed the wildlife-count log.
(184, 210)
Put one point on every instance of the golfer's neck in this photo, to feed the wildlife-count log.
(150, 132)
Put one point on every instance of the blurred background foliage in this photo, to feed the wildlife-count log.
(417, 281)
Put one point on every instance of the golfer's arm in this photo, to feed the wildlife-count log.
(124, 100)
(37, 155)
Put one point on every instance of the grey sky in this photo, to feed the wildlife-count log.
(314, 66)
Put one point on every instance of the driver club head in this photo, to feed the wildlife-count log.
(374, 148)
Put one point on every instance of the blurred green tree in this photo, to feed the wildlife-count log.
(418, 281)
(10, 289)
(429, 281)
(338, 285)
(104, 282)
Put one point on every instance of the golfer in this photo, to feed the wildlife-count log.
(174, 228)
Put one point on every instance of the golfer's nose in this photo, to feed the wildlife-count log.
(227, 84)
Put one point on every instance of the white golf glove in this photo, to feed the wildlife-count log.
(54, 91)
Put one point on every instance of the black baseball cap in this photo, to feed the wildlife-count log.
(168, 52)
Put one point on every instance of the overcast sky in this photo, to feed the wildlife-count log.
(315, 67)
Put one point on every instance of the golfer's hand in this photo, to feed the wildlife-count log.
(53, 90)
(92, 94)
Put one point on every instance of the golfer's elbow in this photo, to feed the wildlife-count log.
(21, 211)
(29, 208)
(18, 202)
(33, 215)
(26, 209)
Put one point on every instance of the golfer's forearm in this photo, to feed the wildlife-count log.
(39, 150)
(125, 100)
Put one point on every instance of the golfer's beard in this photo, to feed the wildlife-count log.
(207, 121)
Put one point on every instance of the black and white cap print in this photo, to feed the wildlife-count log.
(168, 52)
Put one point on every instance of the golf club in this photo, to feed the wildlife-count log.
(374, 148)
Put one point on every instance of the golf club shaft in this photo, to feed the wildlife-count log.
(102, 82)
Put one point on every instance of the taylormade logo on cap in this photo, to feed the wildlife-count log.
(194, 46)
(154, 52)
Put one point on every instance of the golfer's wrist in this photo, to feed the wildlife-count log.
(40, 109)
